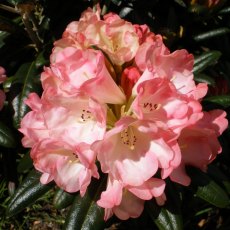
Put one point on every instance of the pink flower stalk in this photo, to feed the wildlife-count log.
(114, 94)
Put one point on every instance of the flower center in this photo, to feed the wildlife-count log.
(86, 115)
(128, 138)
(149, 107)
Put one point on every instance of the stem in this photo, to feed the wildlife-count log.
(30, 23)
(9, 9)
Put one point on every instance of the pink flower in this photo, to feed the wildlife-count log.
(79, 72)
(133, 150)
(199, 144)
(159, 100)
(129, 77)
(128, 201)
(79, 117)
(60, 162)
(154, 59)
(115, 36)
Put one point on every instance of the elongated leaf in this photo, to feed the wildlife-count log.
(223, 100)
(207, 189)
(167, 217)
(25, 163)
(225, 10)
(28, 192)
(85, 214)
(204, 60)
(211, 34)
(163, 217)
(180, 2)
(63, 199)
(6, 136)
(27, 73)
(203, 78)
(219, 177)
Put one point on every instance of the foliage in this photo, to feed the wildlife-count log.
(28, 29)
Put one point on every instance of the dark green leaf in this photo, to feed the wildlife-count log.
(204, 60)
(116, 2)
(6, 136)
(28, 74)
(219, 177)
(225, 10)
(85, 214)
(163, 217)
(223, 100)
(203, 78)
(15, 2)
(41, 60)
(25, 163)
(207, 189)
(211, 34)
(3, 35)
(63, 199)
(28, 192)
(180, 2)
(167, 217)
(125, 11)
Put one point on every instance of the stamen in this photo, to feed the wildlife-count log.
(128, 138)
(86, 116)
(150, 107)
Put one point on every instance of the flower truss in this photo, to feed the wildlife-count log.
(114, 94)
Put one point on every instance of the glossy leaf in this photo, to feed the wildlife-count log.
(211, 34)
(6, 136)
(28, 74)
(207, 189)
(167, 217)
(163, 217)
(28, 192)
(85, 214)
(25, 163)
(223, 100)
(204, 60)
(63, 199)
(203, 78)
(180, 2)
(219, 177)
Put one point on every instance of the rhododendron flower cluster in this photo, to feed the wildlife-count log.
(115, 95)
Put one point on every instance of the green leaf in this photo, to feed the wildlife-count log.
(41, 60)
(63, 199)
(25, 163)
(167, 217)
(204, 60)
(6, 136)
(211, 34)
(180, 2)
(85, 214)
(223, 100)
(219, 177)
(116, 2)
(225, 10)
(163, 217)
(15, 2)
(203, 78)
(28, 74)
(27, 193)
(207, 189)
